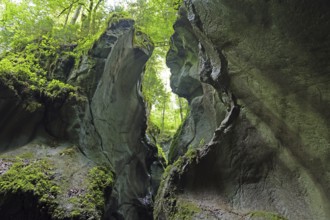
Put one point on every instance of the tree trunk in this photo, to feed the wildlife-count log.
(89, 17)
(163, 114)
(94, 16)
(67, 16)
(181, 110)
(76, 15)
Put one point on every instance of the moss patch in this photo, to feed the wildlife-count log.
(30, 177)
(166, 202)
(90, 201)
(142, 40)
(26, 72)
(40, 188)
(175, 148)
(265, 215)
(71, 151)
(185, 210)
(100, 180)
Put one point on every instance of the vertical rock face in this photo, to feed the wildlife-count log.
(257, 142)
(112, 126)
(106, 124)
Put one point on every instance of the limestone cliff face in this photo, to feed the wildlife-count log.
(257, 143)
(103, 127)
(114, 118)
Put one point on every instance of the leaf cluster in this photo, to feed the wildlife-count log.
(155, 17)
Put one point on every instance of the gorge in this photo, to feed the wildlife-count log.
(255, 143)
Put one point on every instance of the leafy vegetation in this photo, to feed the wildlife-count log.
(36, 34)
(166, 111)
(155, 18)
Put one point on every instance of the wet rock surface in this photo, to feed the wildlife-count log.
(256, 141)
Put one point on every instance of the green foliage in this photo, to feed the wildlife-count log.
(34, 34)
(166, 112)
(155, 17)
(28, 68)
(84, 44)
(153, 87)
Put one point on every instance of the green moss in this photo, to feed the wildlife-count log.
(142, 40)
(92, 201)
(71, 151)
(174, 148)
(85, 44)
(166, 201)
(266, 215)
(75, 213)
(32, 106)
(100, 180)
(34, 177)
(185, 210)
(177, 168)
(188, 158)
(201, 143)
(26, 155)
(31, 177)
(161, 153)
(27, 71)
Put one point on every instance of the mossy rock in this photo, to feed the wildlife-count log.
(185, 210)
(166, 202)
(33, 185)
(175, 148)
(263, 215)
(32, 182)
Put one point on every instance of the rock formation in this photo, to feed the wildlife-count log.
(88, 150)
(256, 143)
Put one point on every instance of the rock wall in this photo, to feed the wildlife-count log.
(256, 142)
(103, 126)
(114, 121)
